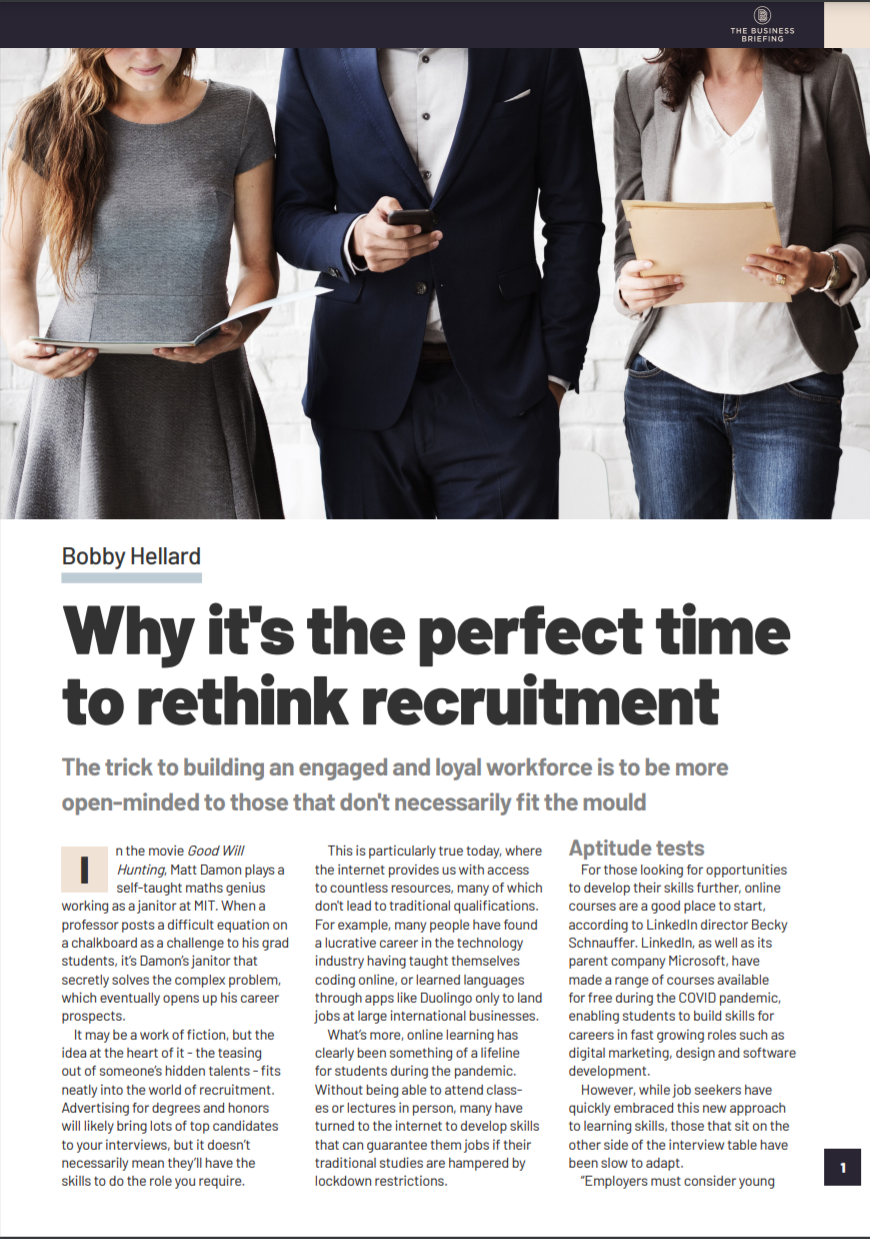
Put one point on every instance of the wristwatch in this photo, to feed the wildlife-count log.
(834, 275)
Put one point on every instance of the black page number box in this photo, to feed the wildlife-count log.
(842, 1167)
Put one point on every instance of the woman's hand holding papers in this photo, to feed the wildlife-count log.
(802, 268)
(230, 336)
(44, 359)
(643, 292)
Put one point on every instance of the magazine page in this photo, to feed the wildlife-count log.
(472, 876)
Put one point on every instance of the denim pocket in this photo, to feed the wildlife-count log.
(640, 368)
(824, 388)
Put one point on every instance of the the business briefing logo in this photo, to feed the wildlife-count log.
(762, 33)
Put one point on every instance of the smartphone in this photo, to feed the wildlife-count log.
(424, 220)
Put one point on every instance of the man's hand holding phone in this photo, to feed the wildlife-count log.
(385, 246)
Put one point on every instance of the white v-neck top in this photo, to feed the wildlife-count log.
(734, 348)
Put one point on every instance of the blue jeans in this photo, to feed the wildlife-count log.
(781, 447)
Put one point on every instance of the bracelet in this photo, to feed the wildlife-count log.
(833, 275)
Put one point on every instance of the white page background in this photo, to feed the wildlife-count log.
(793, 730)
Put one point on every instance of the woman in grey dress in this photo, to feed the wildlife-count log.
(135, 174)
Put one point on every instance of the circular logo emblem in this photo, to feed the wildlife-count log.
(762, 15)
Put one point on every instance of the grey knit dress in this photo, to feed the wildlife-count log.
(142, 437)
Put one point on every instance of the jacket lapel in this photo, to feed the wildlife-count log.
(782, 103)
(668, 126)
(484, 71)
(361, 64)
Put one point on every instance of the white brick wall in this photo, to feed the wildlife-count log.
(591, 418)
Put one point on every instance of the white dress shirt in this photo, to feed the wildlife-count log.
(734, 348)
(426, 90)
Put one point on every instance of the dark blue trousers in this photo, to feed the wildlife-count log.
(444, 458)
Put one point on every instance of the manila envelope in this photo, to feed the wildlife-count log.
(707, 244)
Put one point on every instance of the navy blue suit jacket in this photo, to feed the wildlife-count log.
(508, 327)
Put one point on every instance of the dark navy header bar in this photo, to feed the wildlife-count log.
(481, 23)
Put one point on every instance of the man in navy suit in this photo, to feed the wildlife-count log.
(439, 359)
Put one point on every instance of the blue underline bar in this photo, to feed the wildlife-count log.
(131, 578)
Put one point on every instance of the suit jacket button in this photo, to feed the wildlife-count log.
(420, 289)
(335, 273)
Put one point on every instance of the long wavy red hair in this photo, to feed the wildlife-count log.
(61, 134)
(680, 65)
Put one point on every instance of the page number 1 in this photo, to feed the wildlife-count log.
(842, 1167)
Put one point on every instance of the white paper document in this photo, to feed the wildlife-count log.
(145, 347)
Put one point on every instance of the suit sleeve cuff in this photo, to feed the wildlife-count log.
(855, 263)
(355, 267)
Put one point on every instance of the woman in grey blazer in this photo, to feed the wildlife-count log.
(744, 391)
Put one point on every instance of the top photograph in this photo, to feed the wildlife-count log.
(418, 283)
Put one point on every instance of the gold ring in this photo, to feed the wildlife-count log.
(780, 279)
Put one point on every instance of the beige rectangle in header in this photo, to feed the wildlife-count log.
(847, 25)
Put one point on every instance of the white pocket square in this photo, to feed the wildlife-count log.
(521, 95)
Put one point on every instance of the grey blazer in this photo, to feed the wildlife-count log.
(821, 181)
